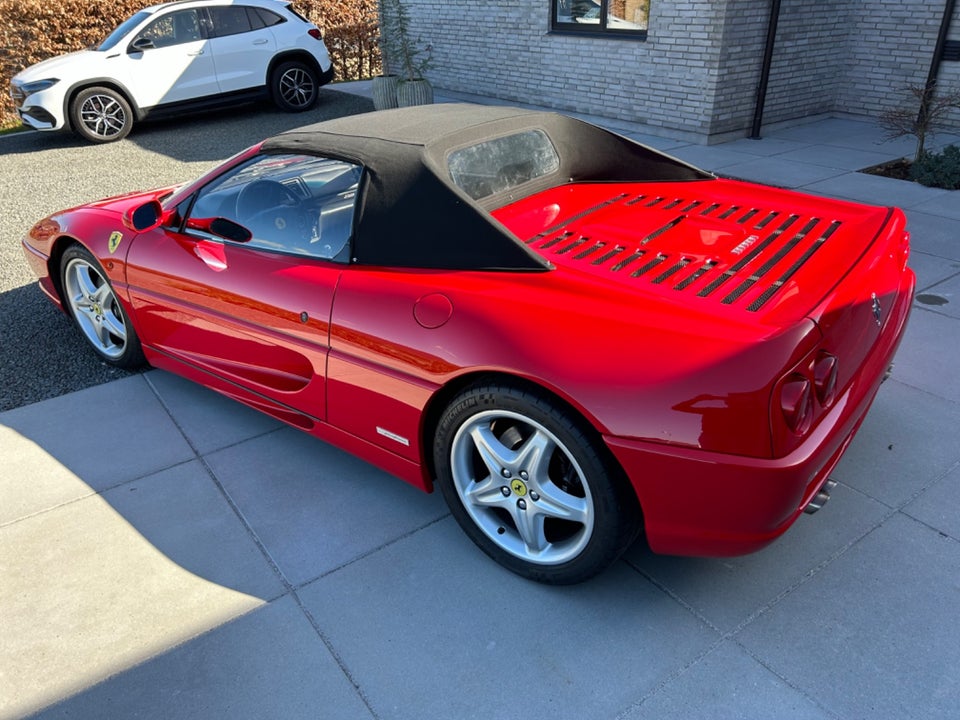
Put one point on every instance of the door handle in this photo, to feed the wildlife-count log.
(260, 42)
(194, 54)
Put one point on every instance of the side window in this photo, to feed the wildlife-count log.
(298, 204)
(267, 17)
(174, 28)
(229, 20)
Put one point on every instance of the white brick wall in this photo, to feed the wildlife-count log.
(696, 74)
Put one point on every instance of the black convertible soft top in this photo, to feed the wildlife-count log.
(411, 213)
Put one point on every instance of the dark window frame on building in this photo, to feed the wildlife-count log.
(564, 19)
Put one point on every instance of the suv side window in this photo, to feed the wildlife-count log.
(229, 20)
(181, 26)
(267, 17)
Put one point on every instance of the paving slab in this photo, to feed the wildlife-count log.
(727, 684)
(708, 157)
(781, 173)
(32, 480)
(906, 444)
(873, 635)
(85, 595)
(431, 628)
(210, 420)
(934, 235)
(937, 505)
(269, 663)
(944, 204)
(184, 515)
(728, 592)
(106, 434)
(763, 147)
(931, 270)
(875, 190)
(943, 297)
(314, 507)
(927, 358)
(837, 157)
(852, 134)
(660, 143)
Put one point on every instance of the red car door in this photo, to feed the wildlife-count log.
(254, 313)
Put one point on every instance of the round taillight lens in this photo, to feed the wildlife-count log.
(796, 402)
(825, 378)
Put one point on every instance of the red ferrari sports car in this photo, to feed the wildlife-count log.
(576, 337)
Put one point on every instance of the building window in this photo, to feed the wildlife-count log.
(609, 17)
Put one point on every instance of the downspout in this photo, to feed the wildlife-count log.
(938, 51)
(765, 69)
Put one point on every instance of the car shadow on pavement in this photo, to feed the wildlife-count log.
(213, 135)
(42, 354)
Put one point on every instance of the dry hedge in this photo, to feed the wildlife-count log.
(33, 30)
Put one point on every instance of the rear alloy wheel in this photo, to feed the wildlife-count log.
(101, 115)
(97, 311)
(295, 86)
(530, 487)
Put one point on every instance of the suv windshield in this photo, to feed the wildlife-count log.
(123, 30)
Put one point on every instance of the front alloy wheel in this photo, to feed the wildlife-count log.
(529, 486)
(101, 115)
(97, 311)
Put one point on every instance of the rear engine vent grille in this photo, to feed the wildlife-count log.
(578, 216)
(775, 247)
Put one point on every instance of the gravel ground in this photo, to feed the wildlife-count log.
(41, 354)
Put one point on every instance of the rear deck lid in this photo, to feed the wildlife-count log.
(760, 254)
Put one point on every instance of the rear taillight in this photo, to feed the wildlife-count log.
(315, 34)
(825, 378)
(796, 402)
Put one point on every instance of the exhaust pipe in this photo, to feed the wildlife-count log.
(887, 374)
(820, 499)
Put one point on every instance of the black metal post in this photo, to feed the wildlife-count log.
(765, 69)
(937, 59)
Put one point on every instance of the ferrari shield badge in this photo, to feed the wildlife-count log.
(115, 238)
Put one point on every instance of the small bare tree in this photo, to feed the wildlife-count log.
(929, 118)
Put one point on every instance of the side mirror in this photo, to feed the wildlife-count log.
(144, 217)
(140, 44)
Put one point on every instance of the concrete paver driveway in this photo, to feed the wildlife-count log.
(165, 552)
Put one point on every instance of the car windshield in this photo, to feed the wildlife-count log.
(123, 30)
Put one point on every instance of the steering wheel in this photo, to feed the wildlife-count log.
(268, 208)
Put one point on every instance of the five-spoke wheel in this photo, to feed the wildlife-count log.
(96, 309)
(530, 486)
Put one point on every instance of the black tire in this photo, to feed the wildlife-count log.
(295, 86)
(96, 310)
(541, 465)
(101, 115)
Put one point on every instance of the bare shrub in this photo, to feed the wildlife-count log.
(924, 112)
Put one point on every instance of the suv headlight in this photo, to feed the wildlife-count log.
(36, 86)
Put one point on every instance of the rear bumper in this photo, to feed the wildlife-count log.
(711, 504)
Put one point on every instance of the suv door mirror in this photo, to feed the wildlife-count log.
(140, 44)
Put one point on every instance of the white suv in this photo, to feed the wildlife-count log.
(176, 57)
